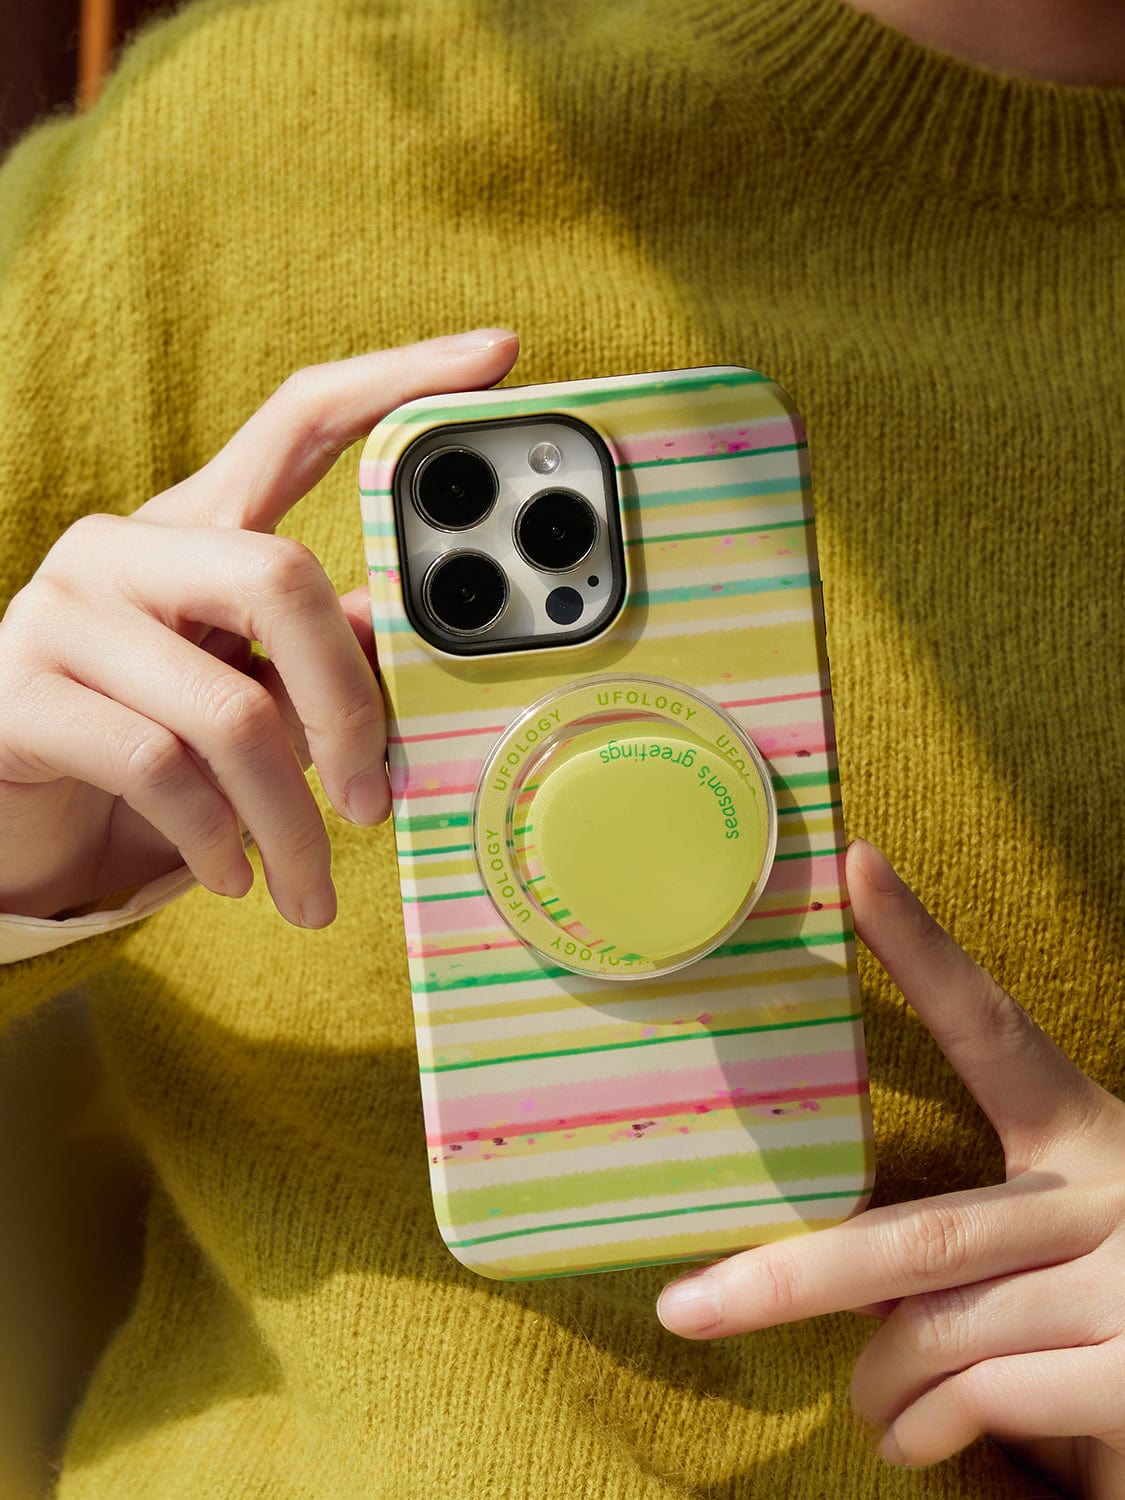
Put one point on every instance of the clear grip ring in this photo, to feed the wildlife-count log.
(624, 826)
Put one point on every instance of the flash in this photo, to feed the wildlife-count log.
(544, 458)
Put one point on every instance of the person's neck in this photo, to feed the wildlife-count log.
(1057, 41)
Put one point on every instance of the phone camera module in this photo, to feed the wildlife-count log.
(556, 530)
(465, 592)
(455, 488)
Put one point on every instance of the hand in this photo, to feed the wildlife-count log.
(1003, 1307)
(137, 729)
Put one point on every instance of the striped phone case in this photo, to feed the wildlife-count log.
(575, 1123)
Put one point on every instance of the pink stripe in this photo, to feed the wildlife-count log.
(628, 1095)
(375, 474)
(774, 698)
(816, 872)
(442, 734)
(704, 443)
(452, 777)
(573, 1123)
(463, 914)
(495, 729)
(783, 911)
(458, 777)
(806, 738)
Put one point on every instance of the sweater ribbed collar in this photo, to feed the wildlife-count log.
(843, 76)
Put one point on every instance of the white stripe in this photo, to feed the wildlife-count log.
(609, 1067)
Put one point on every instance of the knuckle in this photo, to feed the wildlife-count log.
(287, 572)
(308, 843)
(91, 535)
(1011, 1031)
(932, 1245)
(87, 531)
(776, 1284)
(304, 399)
(241, 714)
(213, 824)
(937, 1323)
(154, 762)
(25, 706)
(358, 715)
(972, 1394)
(31, 611)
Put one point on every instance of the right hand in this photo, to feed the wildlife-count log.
(137, 729)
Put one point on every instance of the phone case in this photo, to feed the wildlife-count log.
(576, 1123)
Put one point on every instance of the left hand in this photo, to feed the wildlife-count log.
(1004, 1306)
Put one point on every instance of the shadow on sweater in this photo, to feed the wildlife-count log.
(294, 1222)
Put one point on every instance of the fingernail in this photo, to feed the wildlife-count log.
(692, 1304)
(367, 798)
(477, 340)
(238, 879)
(889, 1449)
(878, 869)
(318, 908)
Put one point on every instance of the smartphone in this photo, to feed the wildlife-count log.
(617, 814)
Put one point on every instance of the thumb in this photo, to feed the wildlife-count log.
(1028, 1088)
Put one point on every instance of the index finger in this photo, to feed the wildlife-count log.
(292, 441)
(887, 1253)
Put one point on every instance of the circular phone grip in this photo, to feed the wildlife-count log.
(624, 826)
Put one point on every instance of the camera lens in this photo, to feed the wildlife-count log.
(465, 592)
(556, 530)
(455, 488)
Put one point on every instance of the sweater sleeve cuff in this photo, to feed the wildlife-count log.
(29, 937)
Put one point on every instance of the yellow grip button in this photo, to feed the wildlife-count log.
(650, 844)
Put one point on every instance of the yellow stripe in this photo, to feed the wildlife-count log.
(646, 994)
(656, 1251)
(424, 690)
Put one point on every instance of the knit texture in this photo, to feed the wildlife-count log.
(929, 260)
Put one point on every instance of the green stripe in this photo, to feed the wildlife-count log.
(830, 777)
(809, 854)
(656, 499)
(427, 822)
(697, 458)
(735, 589)
(531, 976)
(564, 401)
(745, 1169)
(700, 536)
(442, 896)
(778, 945)
(783, 812)
(660, 1213)
(648, 1041)
(425, 853)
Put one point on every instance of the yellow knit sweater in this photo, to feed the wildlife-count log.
(929, 259)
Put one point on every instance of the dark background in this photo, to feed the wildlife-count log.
(39, 52)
